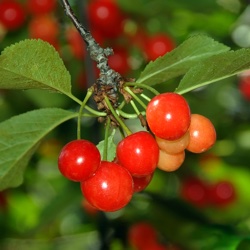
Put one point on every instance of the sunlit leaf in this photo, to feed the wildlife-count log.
(33, 64)
(215, 68)
(177, 62)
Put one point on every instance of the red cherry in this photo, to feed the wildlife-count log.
(44, 27)
(222, 193)
(244, 87)
(12, 14)
(142, 234)
(41, 6)
(195, 191)
(158, 45)
(140, 183)
(88, 208)
(106, 17)
(78, 160)
(139, 153)
(202, 134)
(119, 61)
(110, 188)
(168, 116)
(76, 43)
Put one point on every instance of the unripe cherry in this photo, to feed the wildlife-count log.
(173, 147)
(170, 162)
(202, 134)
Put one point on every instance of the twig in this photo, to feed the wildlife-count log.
(107, 75)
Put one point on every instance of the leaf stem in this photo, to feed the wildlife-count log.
(119, 120)
(143, 86)
(88, 95)
(105, 149)
(135, 97)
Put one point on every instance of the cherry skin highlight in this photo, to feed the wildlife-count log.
(138, 153)
(110, 188)
(168, 116)
(78, 160)
(202, 134)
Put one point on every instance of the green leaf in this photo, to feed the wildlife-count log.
(19, 137)
(111, 147)
(214, 69)
(33, 64)
(177, 62)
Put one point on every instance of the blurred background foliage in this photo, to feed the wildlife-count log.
(48, 212)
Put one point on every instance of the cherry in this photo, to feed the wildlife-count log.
(140, 183)
(110, 188)
(106, 17)
(173, 147)
(78, 160)
(76, 43)
(88, 208)
(202, 134)
(138, 153)
(168, 116)
(12, 14)
(142, 234)
(45, 27)
(195, 191)
(170, 162)
(158, 45)
(119, 61)
(244, 87)
(222, 193)
(41, 6)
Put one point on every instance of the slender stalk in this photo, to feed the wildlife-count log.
(128, 115)
(144, 86)
(134, 107)
(106, 137)
(88, 95)
(119, 120)
(135, 97)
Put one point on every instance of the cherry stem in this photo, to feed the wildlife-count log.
(135, 108)
(143, 86)
(135, 97)
(118, 119)
(88, 95)
(107, 75)
(129, 116)
(106, 137)
(145, 97)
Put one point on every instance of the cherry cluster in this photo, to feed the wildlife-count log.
(176, 129)
(109, 186)
(144, 236)
(202, 194)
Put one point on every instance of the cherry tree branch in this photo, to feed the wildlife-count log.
(107, 75)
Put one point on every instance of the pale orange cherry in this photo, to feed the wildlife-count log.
(202, 134)
(173, 147)
(170, 162)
